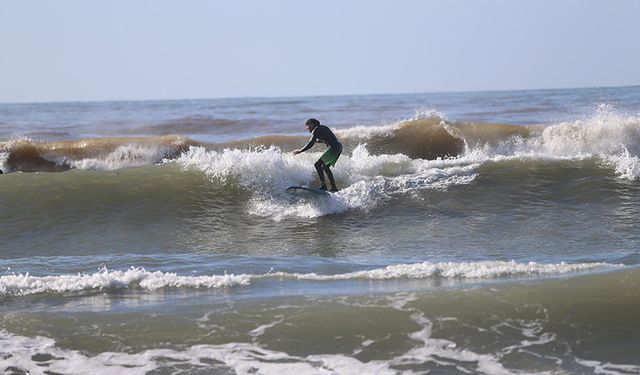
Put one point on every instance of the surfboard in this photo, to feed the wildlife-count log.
(306, 191)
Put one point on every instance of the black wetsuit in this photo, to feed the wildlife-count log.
(324, 135)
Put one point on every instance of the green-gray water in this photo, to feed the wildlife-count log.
(473, 233)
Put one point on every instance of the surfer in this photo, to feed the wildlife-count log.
(323, 134)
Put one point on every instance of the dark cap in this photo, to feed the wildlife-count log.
(313, 122)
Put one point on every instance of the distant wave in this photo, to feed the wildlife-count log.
(423, 137)
(611, 137)
(98, 153)
(25, 284)
(427, 136)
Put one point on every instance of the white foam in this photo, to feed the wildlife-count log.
(259, 331)
(609, 136)
(4, 157)
(242, 358)
(627, 166)
(608, 368)
(366, 180)
(605, 133)
(442, 351)
(362, 132)
(458, 270)
(25, 284)
(265, 168)
(125, 156)
(36, 354)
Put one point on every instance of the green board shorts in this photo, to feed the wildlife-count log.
(330, 156)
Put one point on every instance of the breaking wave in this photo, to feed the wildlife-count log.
(88, 154)
(25, 284)
(611, 137)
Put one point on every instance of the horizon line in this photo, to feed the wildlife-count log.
(315, 96)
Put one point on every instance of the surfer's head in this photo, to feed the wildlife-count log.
(311, 124)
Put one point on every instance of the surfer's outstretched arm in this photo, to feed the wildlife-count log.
(309, 144)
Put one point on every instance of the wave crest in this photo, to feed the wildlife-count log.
(99, 153)
(25, 284)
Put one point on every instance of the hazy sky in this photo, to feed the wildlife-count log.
(133, 49)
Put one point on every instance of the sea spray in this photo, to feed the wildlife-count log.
(365, 180)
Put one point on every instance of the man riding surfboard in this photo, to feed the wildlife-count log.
(323, 134)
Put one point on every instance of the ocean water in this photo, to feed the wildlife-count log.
(474, 233)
